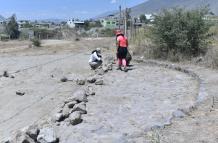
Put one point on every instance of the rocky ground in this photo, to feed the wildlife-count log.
(49, 94)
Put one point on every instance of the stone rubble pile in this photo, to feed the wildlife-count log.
(70, 112)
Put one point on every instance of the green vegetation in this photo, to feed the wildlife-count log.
(36, 42)
(143, 19)
(178, 32)
(107, 32)
(11, 28)
(92, 24)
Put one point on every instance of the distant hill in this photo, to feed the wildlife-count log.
(2, 18)
(153, 6)
(105, 14)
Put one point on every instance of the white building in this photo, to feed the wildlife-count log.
(72, 23)
(150, 17)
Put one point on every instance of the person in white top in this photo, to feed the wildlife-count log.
(95, 59)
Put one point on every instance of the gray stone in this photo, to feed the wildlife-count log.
(80, 82)
(91, 79)
(33, 132)
(105, 68)
(66, 112)
(64, 79)
(21, 137)
(79, 96)
(5, 74)
(75, 118)
(47, 135)
(71, 104)
(99, 82)
(59, 117)
(110, 67)
(90, 91)
(20, 93)
(81, 107)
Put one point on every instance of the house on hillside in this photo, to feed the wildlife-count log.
(24, 24)
(75, 23)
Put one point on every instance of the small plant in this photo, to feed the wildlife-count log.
(36, 42)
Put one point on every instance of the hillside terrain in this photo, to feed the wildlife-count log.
(153, 6)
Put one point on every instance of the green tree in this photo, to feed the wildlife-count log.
(12, 28)
(143, 18)
(180, 32)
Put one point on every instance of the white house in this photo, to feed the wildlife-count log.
(150, 17)
(72, 23)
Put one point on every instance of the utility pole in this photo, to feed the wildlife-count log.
(125, 22)
(120, 17)
(126, 19)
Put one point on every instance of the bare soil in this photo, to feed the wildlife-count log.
(124, 109)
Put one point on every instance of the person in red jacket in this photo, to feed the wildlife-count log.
(122, 45)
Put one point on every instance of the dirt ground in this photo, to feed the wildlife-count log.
(124, 109)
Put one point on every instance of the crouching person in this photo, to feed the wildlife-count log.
(95, 59)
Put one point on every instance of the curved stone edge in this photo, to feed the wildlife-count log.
(181, 112)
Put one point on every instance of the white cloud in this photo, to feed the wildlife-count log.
(113, 1)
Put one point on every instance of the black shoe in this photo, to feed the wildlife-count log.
(119, 68)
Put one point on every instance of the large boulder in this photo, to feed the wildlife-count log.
(32, 131)
(75, 118)
(81, 107)
(78, 96)
(66, 112)
(58, 117)
(47, 135)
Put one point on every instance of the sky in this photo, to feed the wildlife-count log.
(61, 9)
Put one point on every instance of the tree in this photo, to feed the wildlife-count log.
(11, 27)
(181, 32)
(143, 19)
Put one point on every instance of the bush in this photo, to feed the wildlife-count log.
(180, 34)
(36, 42)
(107, 32)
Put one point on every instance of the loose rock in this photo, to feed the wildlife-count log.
(21, 137)
(81, 107)
(105, 68)
(5, 74)
(59, 117)
(91, 79)
(20, 93)
(75, 118)
(66, 112)
(71, 104)
(33, 132)
(47, 135)
(80, 82)
(64, 79)
(79, 96)
(99, 82)
(89, 91)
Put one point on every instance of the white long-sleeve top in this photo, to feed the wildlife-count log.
(94, 57)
